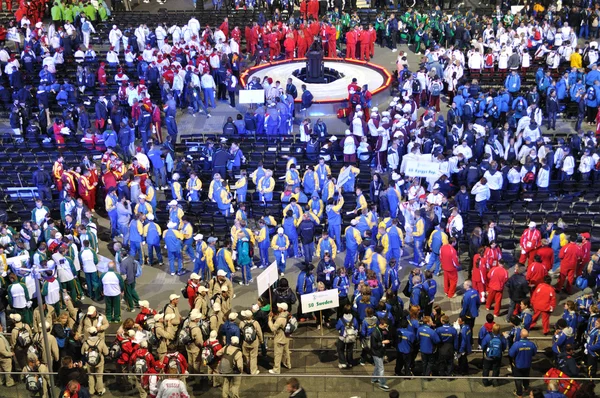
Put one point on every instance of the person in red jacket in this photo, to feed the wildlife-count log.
(497, 277)
(146, 313)
(290, 45)
(492, 255)
(313, 9)
(174, 355)
(570, 257)
(543, 301)
(192, 289)
(536, 272)
(479, 274)
(225, 27)
(351, 39)
(331, 34)
(586, 251)
(102, 75)
(274, 47)
(301, 42)
(530, 241)
(450, 265)
(546, 254)
(372, 40)
(303, 9)
(142, 352)
(363, 40)
(128, 347)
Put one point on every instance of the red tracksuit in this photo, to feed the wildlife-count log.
(351, 38)
(450, 265)
(530, 241)
(497, 278)
(570, 256)
(363, 39)
(479, 276)
(491, 257)
(536, 272)
(547, 255)
(543, 300)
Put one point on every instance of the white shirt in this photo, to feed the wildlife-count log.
(585, 165)
(53, 295)
(481, 192)
(543, 178)
(63, 268)
(18, 296)
(465, 150)
(568, 165)
(87, 260)
(494, 181)
(207, 81)
(110, 284)
(475, 61)
(513, 177)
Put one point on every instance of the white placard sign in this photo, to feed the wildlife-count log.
(252, 96)
(267, 278)
(343, 177)
(318, 301)
(422, 169)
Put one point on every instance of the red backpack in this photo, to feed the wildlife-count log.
(565, 384)
(489, 60)
(537, 35)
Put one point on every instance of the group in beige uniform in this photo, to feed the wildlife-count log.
(281, 343)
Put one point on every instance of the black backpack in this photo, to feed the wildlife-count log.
(416, 86)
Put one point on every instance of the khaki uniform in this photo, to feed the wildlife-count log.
(231, 384)
(37, 318)
(194, 349)
(281, 343)
(201, 304)
(6, 356)
(87, 323)
(20, 352)
(165, 334)
(215, 287)
(225, 303)
(216, 320)
(96, 381)
(171, 309)
(250, 351)
(54, 353)
(45, 378)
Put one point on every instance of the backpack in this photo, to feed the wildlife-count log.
(591, 94)
(148, 323)
(208, 355)
(350, 333)
(185, 334)
(23, 338)
(227, 364)
(423, 297)
(184, 291)
(467, 111)
(489, 60)
(33, 382)
(205, 329)
(229, 129)
(153, 340)
(494, 348)
(85, 27)
(141, 365)
(93, 355)
(174, 363)
(115, 350)
(291, 325)
(436, 88)
(529, 177)
(35, 347)
(416, 86)
(249, 333)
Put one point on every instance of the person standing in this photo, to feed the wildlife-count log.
(465, 338)
(531, 239)
(493, 345)
(113, 286)
(197, 341)
(522, 353)
(570, 256)
(518, 290)
(428, 340)
(543, 300)
(277, 323)
(450, 266)
(448, 346)
(252, 336)
(129, 268)
(6, 358)
(378, 343)
(470, 304)
(347, 327)
(173, 239)
(497, 278)
(280, 244)
(89, 263)
(94, 350)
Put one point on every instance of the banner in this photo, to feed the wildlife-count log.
(251, 96)
(343, 177)
(422, 169)
(319, 301)
(267, 278)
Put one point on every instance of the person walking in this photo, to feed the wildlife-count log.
(113, 286)
(231, 362)
(518, 290)
(378, 343)
(493, 345)
(252, 337)
(277, 323)
(543, 301)
(450, 266)
(497, 277)
(129, 268)
(522, 353)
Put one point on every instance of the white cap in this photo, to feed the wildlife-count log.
(233, 316)
(436, 186)
(158, 317)
(91, 310)
(173, 297)
(172, 225)
(144, 303)
(169, 317)
(279, 230)
(246, 314)
(150, 217)
(173, 203)
(175, 176)
(347, 132)
(202, 288)
(354, 221)
(283, 306)
(224, 289)
(15, 317)
(235, 340)
(194, 276)
(532, 224)
(58, 235)
(395, 176)
(142, 196)
(131, 332)
(114, 26)
(195, 314)
(333, 138)
(221, 273)
(198, 237)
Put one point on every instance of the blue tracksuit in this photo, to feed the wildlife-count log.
(351, 248)
(465, 338)
(289, 229)
(334, 220)
(135, 240)
(395, 243)
(342, 284)
(522, 353)
(434, 257)
(173, 250)
(470, 304)
(222, 263)
(153, 242)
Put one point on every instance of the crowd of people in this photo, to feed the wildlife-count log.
(491, 146)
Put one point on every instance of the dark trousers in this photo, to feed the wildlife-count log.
(428, 363)
(463, 364)
(446, 364)
(520, 383)
(494, 366)
(344, 351)
(404, 364)
(231, 98)
(592, 365)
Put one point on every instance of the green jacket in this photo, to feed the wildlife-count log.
(56, 12)
(68, 14)
(102, 13)
(90, 12)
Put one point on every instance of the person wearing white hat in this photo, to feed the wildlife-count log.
(201, 303)
(200, 266)
(176, 188)
(235, 364)
(281, 342)
(165, 332)
(173, 239)
(143, 207)
(172, 308)
(191, 288)
(24, 330)
(175, 212)
(280, 244)
(531, 240)
(193, 349)
(92, 318)
(112, 287)
(152, 233)
(252, 336)
(95, 349)
(217, 318)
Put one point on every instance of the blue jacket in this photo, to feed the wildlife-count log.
(592, 97)
(367, 326)
(172, 242)
(561, 89)
(342, 284)
(559, 341)
(592, 76)
(448, 335)
(464, 338)
(436, 242)
(390, 279)
(229, 329)
(554, 394)
(593, 346)
(152, 238)
(526, 318)
(470, 303)
(522, 352)
(428, 339)
(406, 340)
(513, 83)
(416, 294)
(431, 286)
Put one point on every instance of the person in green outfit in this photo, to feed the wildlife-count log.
(113, 286)
(18, 298)
(57, 13)
(128, 269)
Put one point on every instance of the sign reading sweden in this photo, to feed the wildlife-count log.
(319, 301)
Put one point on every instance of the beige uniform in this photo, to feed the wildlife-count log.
(201, 304)
(171, 309)
(216, 320)
(45, 378)
(215, 287)
(6, 356)
(193, 349)
(96, 381)
(20, 352)
(231, 384)
(100, 323)
(37, 317)
(281, 343)
(165, 334)
(54, 353)
(250, 350)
